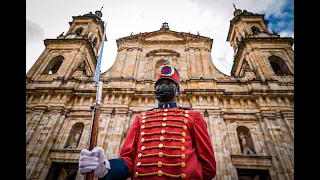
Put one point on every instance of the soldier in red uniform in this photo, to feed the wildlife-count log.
(168, 142)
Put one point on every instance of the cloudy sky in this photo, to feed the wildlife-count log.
(47, 19)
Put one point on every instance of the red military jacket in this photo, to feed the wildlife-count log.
(169, 143)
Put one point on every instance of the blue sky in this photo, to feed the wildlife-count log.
(283, 22)
(48, 19)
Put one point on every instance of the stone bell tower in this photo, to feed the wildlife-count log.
(72, 55)
(267, 54)
(51, 91)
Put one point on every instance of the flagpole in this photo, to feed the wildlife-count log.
(94, 127)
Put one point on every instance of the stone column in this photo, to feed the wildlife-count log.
(233, 138)
(210, 62)
(255, 63)
(288, 61)
(136, 64)
(255, 140)
(47, 134)
(74, 64)
(117, 132)
(103, 128)
(282, 166)
(261, 140)
(205, 64)
(193, 64)
(286, 141)
(68, 64)
(218, 130)
(118, 65)
(33, 124)
(188, 63)
(129, 63)
(288, 116)
(264, 65)
(290, 53)
(198, 62)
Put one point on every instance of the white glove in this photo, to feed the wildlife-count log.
(94, 160)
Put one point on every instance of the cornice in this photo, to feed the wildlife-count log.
(143, 36)
(47, 42)
(95, 19)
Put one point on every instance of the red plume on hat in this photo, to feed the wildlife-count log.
(166, 71)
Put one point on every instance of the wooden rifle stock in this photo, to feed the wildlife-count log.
(93, 137)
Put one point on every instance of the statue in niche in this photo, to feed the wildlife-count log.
(76, 139)
(246, 148)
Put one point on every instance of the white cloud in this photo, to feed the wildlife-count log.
(281, 24)
(286, 34)
(31, 56)
(34, 32)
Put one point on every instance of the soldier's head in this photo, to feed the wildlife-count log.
(167, 84)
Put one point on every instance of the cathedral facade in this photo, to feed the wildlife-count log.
(249, 114)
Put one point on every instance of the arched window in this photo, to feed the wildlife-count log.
(157, 66)
(255, 30)
(54, 65)
(246, 143)
(279, 66)
(75, 135)
(79, 30)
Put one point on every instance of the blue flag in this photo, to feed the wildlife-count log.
(97, 73)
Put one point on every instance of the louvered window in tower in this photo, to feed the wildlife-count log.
(255, 30)
(279, 66)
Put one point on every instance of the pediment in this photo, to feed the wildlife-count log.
(164, 37)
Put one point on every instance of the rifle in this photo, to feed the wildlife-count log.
(93, 136)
